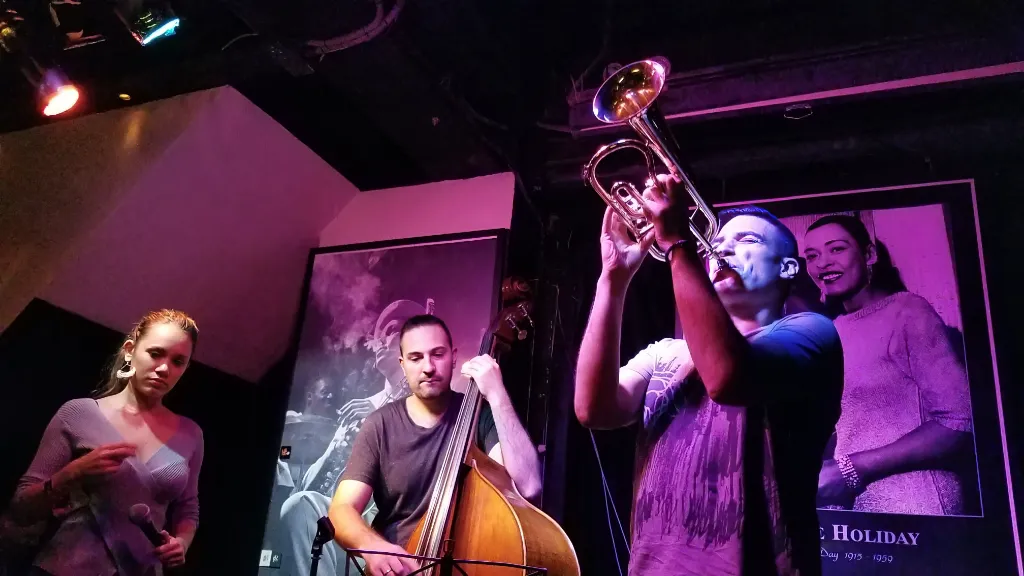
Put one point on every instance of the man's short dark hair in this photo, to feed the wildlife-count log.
(423, 320)
(789, 247)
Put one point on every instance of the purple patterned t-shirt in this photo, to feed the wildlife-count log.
(730, 490)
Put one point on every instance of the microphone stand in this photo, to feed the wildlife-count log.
(324, 534)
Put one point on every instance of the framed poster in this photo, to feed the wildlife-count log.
(356, 300)
(901, 272)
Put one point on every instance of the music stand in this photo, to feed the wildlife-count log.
(447, 563)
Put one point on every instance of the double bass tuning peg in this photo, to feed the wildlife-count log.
(520, 334)
(519, 318)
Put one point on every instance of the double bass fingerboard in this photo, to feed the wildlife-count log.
(443, 497)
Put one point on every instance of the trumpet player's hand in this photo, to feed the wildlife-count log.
(663, 208)
(621, 255)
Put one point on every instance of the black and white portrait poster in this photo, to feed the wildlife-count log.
(915, 479)
(347, 366)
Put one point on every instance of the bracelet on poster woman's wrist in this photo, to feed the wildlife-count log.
(849, 472)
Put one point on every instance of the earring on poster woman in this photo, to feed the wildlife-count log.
(126, 371)
(871, 273)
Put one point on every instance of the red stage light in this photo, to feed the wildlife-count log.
(60, 101)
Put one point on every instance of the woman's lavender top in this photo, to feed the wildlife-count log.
(97, 538)
(901, 371)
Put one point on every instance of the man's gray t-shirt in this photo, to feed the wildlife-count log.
(400, 461)
(730, 490)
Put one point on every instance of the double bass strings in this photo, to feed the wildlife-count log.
(444, 486)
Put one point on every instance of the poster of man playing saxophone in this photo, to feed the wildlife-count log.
(347, 365)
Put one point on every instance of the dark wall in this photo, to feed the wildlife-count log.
(49, 356)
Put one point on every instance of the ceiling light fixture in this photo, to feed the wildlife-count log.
(148, 20)
(797, 111)
(54, 92)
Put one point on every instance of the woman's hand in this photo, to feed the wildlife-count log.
(98, 463)
(832, 486)
(172, 552)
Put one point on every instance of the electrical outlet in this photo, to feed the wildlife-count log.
(265, 556)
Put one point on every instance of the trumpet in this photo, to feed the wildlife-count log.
(629, 96)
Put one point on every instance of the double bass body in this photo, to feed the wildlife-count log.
(493, 522)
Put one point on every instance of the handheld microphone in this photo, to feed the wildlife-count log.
(139, 515)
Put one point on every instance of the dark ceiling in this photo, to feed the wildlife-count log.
(455, 88)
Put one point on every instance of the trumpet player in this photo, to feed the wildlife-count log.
(734, 418)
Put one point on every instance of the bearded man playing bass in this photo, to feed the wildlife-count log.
(397, 453)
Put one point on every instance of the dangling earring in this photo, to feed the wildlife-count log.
(126, 371)
(871, 273)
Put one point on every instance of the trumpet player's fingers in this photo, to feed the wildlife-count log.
(654, 199)
(654, 192)
(650, 193)
(664, 184)
(609, 215)
(647, 241)
(613, 224)
(668, 179)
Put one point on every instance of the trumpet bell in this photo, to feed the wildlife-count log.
(630, 91)
(630, 97)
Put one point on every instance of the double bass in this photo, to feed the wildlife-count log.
(475, 512)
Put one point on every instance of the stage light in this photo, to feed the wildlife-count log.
(61, 101)
(148, 21)
(54, 92)
(125, 97)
